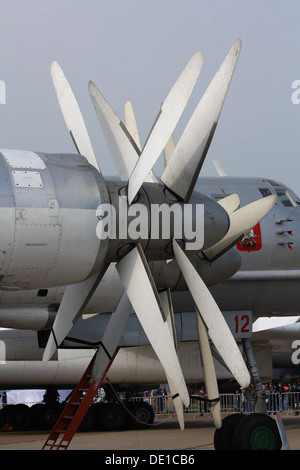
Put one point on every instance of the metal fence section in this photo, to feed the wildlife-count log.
(288, 403)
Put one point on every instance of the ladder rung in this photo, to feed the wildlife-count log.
(72, 426)
(59, 445)
(56, 445)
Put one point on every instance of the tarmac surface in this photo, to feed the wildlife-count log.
(163, 436)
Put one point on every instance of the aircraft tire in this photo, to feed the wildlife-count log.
(88, 422)
(16, 415)
(256, 431)
(97, 411)
(50, 416)
(44, 417)
(20, 416)
(3, 415)
(140, 414)
(36, 413)
(223, 436)
(110, 416)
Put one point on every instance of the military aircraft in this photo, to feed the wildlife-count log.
(49, 205)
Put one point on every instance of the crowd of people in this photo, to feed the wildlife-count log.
(280, 388)
(279, 397)
(283, 397)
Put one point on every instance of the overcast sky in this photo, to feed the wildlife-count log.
(135, 49)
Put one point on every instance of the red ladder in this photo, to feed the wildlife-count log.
(75, 410)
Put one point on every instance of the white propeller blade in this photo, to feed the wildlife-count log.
(169, 150)
(218, 329)
(72, 115)
(74, 300)
(219, 168)
(183, 169)
(210, 378)
(131, 125)
(122, 147)
(241, 222)
(111, 337)
(167, 306)
(170, 113)
(141, 290)
(230, 203)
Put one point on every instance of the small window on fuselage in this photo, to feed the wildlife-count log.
(265, 192)
(285, 198)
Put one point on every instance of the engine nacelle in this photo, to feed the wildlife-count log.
(48, 223)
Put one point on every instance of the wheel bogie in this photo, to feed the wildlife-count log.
(104, 416)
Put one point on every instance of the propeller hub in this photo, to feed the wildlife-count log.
(155, 218)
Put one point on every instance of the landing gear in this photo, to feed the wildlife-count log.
(223, 435)
(140, 414)
(18, 416)
(44, 416)
(110, 416)
(256, 394)
(256, 431)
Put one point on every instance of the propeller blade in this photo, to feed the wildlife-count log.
(131, 124)
(72, 115)
(166, 301)
(241, 222)
(74, 300)
(219, 168)
(230, 203)
(218, 329)
(111, 337)
(167, 305)
(177, 401)
(184, 167)
(123, 148)
(141, 290)
(170, 113)
(169, 150)
(210, 378)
